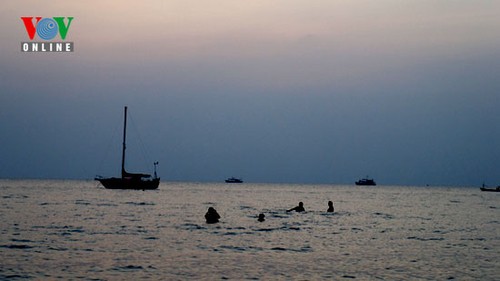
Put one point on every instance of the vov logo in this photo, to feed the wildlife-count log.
(47, 29)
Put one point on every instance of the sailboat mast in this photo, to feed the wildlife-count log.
(124, 140)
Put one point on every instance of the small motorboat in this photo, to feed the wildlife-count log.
(234, 180)
(365, 181)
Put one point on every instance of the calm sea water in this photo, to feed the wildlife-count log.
(76, 230)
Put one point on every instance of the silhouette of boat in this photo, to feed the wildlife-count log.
(490, 189)
(484, 188)
(129, 180)
(234, 180)
(365, 181)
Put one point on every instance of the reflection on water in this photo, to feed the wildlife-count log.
(71, 229)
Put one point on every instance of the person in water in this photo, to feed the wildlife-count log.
(261, 217)
(212, 216)
(330, 207)
(299, 208)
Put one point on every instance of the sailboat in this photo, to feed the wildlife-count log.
(130, 180)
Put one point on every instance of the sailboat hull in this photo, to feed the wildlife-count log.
(126, 183)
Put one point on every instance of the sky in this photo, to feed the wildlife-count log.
(295, 91)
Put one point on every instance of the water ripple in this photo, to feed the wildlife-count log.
(17, 246)
(128, 268)
(425, 239)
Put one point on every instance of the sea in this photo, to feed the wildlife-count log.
(77, 230)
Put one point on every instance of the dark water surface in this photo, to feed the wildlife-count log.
(75, 230)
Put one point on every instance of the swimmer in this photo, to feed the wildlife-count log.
(212, 216)
(299, 208)
(330, 207)
(261, 217)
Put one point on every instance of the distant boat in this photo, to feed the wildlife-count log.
(234, 180)
(484, 188)
(365, 181)
(129, 180)
(490, 189)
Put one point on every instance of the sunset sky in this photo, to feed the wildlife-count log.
(295, 91)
